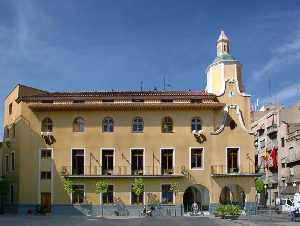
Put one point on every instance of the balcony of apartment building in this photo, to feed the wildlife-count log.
(233, 168)
(272, 130)
(293, 155)
(135, 165)
(272, 143)
(123, 171)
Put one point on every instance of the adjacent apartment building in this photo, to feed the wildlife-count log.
(199, 139)
(276, 131)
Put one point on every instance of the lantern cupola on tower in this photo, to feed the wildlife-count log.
(222, 44)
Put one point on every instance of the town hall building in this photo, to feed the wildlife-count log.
(199, 140)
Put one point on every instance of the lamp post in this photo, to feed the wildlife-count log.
(266, 191)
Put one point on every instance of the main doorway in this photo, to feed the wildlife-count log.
(196, 193)
(46, 202)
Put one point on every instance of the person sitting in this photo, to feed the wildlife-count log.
(195, 208)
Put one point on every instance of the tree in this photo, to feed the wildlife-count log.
(259, 185)
(175, 188)
(138, 188)
(68, 186)
(101, 188)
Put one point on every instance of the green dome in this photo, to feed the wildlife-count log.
(223, 57)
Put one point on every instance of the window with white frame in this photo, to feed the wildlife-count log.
(78, 124)
(46, 153)
(47, 125)
(108, 197)
(138, 125)
(196, 158)
(78, 193)
(107, 125)
(196, 124)
(166, 194)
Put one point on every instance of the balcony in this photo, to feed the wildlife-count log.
(293, 155)
(122, 171)
(272, 178)
(271, 144)
(285, 172)
(296, 172)
(221, 170)
(272, 129)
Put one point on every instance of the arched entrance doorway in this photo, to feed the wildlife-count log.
(196, 193)
(232, 194)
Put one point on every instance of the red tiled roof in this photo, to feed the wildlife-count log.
(119, 95)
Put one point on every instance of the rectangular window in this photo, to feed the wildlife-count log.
(78, 194)
(196, 158)
(166, 194)
(232, 160)
(12, 160)
(107, 161)
(6, 164)
(137, 161)
(12, 194)
(6, 132)
(282, 142)
(10, 108)
(135, 199)
(46, 175)
(46, 153)
(167, 161)
(77, 162)
(262, 144)
(108, 197)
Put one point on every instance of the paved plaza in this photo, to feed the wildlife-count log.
(146, 221)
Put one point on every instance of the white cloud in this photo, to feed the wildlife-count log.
(281, 55)
(286, 93)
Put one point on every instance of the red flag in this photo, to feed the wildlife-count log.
(274, 157)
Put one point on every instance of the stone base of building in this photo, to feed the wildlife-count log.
(98, 210)
(114, 210)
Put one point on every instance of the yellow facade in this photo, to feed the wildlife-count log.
(224, 80)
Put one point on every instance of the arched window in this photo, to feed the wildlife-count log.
(138, 125)
(196, 124)
(78, 124)
(167, 125)
(108, 124)
(47, 125)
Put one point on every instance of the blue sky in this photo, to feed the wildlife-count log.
(103, 45)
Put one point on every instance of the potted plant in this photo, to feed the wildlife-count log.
(228, 212)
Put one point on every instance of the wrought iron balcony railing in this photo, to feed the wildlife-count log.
(119, 171)
(224, 170)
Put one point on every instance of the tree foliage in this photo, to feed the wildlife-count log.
(175, 187)
(138, 186)
(68, 186)
(259, 185)
(101, 187)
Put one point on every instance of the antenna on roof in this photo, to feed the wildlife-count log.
(142, 85)
(165, 84)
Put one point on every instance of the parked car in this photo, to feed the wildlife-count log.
(295, 209)
(286, 205)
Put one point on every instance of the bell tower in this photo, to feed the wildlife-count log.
(222, 44)
(223, 69)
